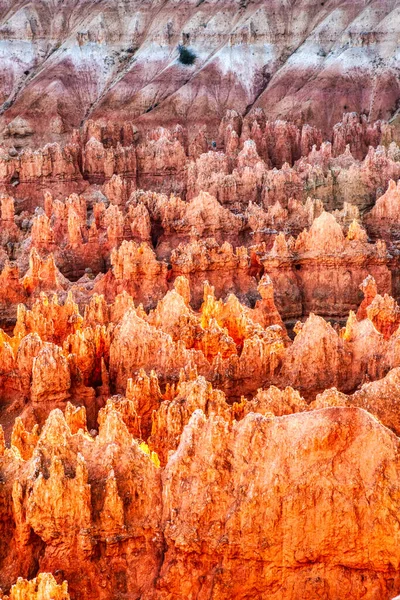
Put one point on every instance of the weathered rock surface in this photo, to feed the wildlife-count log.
(286, 502)
(307, 62)
(102, 528)
(199, 301)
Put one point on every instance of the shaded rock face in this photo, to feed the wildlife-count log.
(305, 61)
(199, 287)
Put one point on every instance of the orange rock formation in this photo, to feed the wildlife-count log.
(200, 362)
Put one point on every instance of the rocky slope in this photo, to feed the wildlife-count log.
(65, 61)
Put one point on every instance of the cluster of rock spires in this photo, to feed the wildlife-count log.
(200, 363)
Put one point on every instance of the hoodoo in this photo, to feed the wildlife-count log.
(199, 300)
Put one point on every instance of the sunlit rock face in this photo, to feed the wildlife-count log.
(199, 300)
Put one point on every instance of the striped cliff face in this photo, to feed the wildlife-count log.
(65, 62)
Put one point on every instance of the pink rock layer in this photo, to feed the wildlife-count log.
(304, 61)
